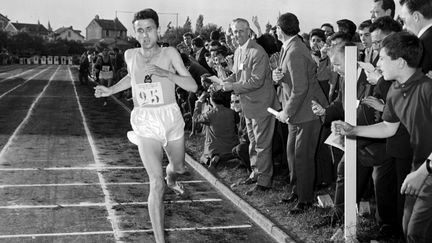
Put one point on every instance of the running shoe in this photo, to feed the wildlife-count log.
(178, 189)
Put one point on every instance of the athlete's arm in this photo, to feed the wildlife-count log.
(124, 83)
(182, 79)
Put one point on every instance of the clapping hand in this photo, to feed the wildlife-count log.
(277, 75)
(230, 62)
(274, 61)
(215, 87)
(373, 77)
(255, 21)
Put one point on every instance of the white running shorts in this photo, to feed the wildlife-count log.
(162, 123)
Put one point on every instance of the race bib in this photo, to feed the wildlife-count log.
(105, 68)
(149, 94)
(106, 75)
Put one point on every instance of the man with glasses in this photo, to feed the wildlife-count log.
(381, 28)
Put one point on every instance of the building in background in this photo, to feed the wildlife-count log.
(68, 33)
(32, 29)
(101, 33)
(3, 21)
(105, 28)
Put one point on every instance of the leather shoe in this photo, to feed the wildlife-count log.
(291, 198)
(257, 188)
(300, 207)
(248, 181)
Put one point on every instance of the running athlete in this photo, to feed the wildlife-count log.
(104, 69)
(156, 118)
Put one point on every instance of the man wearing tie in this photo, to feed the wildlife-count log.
(417, 18)
(251, 79)
(297, 74)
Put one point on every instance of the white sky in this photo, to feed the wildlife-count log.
(79, 13)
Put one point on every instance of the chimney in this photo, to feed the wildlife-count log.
(97, 16)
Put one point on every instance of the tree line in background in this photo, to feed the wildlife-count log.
(174, 35)
(27, 45)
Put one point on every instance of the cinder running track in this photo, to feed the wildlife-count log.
(69, 174)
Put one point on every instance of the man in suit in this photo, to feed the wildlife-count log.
(382, 8)
(417, 18)
(297, 73)
(251, 79)
(200, 51)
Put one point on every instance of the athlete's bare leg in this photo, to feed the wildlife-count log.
(151, 155)
(176, 155)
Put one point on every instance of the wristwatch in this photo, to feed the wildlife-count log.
(429, 166)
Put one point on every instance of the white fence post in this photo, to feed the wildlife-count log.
(350, 144)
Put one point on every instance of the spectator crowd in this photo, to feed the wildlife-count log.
(244, 71)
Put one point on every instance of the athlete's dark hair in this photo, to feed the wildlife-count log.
(147, 13)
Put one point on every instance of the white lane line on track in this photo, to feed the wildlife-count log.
(19, 85)
(121, 104)
(241, 226)
(46, 96)
(91, 184)
(110, 205)
(30, 111)
(98, 168)
(116, 100)
(111, 212)
(16, 75)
